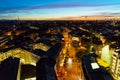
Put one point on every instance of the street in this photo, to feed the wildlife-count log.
(69, 68)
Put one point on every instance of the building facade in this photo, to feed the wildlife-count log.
(115, 63)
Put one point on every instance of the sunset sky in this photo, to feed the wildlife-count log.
(57, 9)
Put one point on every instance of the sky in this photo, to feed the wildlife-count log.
(57, 9)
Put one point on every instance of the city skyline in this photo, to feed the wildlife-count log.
(59, 9)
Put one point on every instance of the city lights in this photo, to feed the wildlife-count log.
(59, 39)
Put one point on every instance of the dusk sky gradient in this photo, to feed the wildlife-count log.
(56, 9)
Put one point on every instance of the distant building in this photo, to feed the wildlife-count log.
(115, 63)
(13, 34)
(41, 46)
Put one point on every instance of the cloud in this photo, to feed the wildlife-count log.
(16, 10)
(110, 13)
(66, 6)
(5, 17)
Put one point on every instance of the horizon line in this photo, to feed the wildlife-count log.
(95, 17)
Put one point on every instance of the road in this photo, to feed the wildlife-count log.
(68, 67)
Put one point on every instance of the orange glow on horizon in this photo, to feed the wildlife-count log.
(70, 18)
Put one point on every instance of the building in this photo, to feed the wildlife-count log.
(45, 69)
(115, 63)
(26, 57)
(105, 55)
(92, 70)
(12, 72)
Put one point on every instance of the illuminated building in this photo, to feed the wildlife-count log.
(28, 57)
(115, 63)
(105, 55)
(92, 70)
(41, 46)
(13, 33)
(25, 56)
